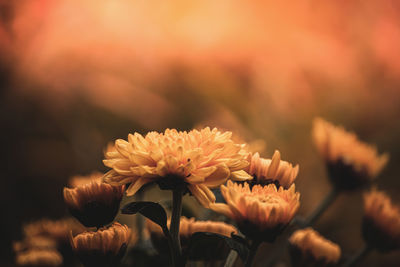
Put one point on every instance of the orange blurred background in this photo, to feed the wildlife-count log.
(78, 74)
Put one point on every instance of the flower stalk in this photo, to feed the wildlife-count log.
(253, 251)
(177, 195)
(325, 203)
(361, 254)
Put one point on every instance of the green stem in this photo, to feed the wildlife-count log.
(361, 254)
(230, 260)
(167, 234)
(140, 219)
(328, 200)
(253, 250)
(174, 227)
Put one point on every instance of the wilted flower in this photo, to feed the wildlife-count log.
(351, 163)
(196, 160)
(381, 224)
(95, 203)
(261, 212)
(58, 230)
(187, 228)
(105, 247)
(42, 258)
(275, 170)
(80, 180)
(309, 248)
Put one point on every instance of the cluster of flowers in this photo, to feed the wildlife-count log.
(259, 194)
(45, 242)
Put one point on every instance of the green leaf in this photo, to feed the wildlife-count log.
(202, 243)
(151, 210)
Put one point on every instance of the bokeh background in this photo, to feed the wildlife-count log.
(75, 75)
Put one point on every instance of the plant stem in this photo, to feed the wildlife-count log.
(230, 260)
(326, 202)
(253, 250)
(361, 254)
(174, 227)
(167, 234)
(140, 219)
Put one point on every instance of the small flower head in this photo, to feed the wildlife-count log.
(35, 243)
(261, 212)
(309, 248)
(351, 163)
(58, 230)
(39, 258)
(275, 170)
(190, 226)
(187, 228)
(381, 224)
(95, 203)
(105, 247)
(195, 160)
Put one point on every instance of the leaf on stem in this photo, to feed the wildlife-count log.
(201, 242)
(151, 210)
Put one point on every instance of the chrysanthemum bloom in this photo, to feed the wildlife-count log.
(58, 230)
(351, 163)
(309, 248)
(261, 212)
(94, 204)
(275, 170)
(80, 180)
(381, 224)
(187, 228)
(35, 243)
(196, 160)
(39, 258)
(105, 247)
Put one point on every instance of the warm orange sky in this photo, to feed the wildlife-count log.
(113, 51)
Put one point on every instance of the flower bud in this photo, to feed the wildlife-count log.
(309, 248)
(39, 258)
(275, 170)
(35, 242)
(351, 163)
(57, 230)
(103, 248)
(94, 204)
(381, 223)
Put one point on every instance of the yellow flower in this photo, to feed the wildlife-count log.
(261, 212)
(275, 170)
(351, 163)
(381, 224)
(313, 247)
(80, 180)
(198, 160)
(42, 258)
(95, 203)
(58, 230)
(187, 228)
(105, 247)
